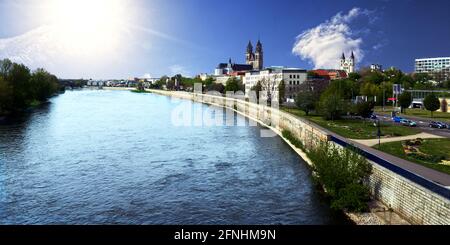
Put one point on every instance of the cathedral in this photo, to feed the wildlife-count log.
(348, 65)
(255, 59)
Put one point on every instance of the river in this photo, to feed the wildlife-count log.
(115, 157)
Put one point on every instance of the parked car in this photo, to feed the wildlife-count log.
(397, 119)
(373, 117)
(439, 125)
(408, 123)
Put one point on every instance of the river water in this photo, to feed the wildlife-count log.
(115, 157)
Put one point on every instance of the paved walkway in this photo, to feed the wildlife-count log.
(374, 142)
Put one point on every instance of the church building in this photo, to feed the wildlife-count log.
(254, 61)
(348, 65)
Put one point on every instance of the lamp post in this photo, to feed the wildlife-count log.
(379, 132)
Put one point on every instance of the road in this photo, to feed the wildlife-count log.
(422, 124)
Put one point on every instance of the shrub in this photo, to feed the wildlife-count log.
(342, 172)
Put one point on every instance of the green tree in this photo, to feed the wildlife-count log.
(218, 87)
(354, 76)
(282, 92)
(208, 81)
(331, 106)
(306, 101)
(405, 101)
(234, 85)
(44, 85)
(364, 109)
(19, 77)
(432, 103)
(19, 88)
(369, 89)
(6, 96)
(375, 77)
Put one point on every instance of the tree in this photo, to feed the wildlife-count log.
(217, 87)
(369, 89)
(19, 88)
(365, 109)
(432, 103)
(405, 101)
(234, 85)
(6, 96)
(257, 88)
(44, 85)
(208, 81)
(354, 76)
(331, 106)
(140, 86)
(281, 91)
(374, 77)
(306, 101)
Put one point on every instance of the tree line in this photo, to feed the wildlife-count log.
(20, 88)
(337, 98)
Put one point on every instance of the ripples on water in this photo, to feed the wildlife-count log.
(109, 157)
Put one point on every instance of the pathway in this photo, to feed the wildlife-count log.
(374, 142)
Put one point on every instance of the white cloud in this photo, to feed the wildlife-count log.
(323, 45)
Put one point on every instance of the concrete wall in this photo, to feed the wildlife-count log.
(410, 200)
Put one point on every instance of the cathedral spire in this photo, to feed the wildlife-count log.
(259, 47)
(249, 47)
(343, 56)
(353, 56)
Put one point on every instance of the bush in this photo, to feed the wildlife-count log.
(342, 172)
(352, 197)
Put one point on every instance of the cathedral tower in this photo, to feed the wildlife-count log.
(259, 57)
(348, 65)
(255, 59)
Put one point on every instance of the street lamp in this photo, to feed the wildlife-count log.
(379, 132)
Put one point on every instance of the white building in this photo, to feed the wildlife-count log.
(433, 65)
(376, 67)
(292, 77)
(348, 65)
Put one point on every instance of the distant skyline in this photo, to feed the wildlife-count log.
(105, 39)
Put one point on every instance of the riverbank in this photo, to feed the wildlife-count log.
(369, 218)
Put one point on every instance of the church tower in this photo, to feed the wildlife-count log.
(259, 57)
(249, 57)
(348, 65)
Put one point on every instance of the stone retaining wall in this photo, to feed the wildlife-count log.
(410, 200)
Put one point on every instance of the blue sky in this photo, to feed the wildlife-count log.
(192, 36)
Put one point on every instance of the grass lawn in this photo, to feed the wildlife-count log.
(356, 128)
(433, 147)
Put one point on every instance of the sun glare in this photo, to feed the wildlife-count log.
(87, 26)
